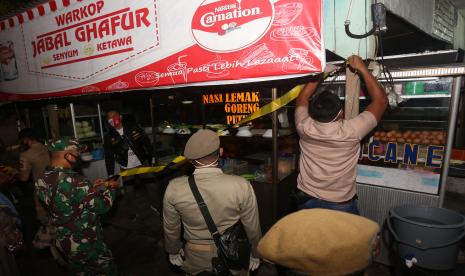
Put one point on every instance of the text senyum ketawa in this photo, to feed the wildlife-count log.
(106, 25)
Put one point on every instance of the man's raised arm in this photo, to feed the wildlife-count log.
(306, 93)
(379, 100)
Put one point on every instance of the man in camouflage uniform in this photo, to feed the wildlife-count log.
(74, 205)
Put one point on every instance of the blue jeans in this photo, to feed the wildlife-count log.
(308, 202)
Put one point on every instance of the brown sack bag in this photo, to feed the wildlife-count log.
(321, 242)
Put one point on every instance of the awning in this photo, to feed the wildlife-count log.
(75, 47)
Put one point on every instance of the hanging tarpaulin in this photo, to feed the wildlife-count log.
(74, 47)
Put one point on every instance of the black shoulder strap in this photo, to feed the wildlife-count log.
(204, 210)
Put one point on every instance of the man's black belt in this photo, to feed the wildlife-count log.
(305, 197)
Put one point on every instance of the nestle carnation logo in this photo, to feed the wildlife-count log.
(209, 19)
(231, 25)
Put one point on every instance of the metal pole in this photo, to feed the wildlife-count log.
(275, 180)
(44, 116)
(152, 118)
(73, 119)
(454, 108)
(18, 118)
(27, 117)
(100, 120)
(53, 120)
(202, 113)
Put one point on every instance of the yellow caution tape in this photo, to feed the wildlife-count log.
(283, 100)
(274, 105)
(143, 170)
(178, 159)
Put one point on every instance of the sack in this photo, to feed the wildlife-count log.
(234, 247)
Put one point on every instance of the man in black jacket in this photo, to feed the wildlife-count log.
(128, 145)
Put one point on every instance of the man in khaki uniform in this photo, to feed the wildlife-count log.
(33, 160)
(229, 198)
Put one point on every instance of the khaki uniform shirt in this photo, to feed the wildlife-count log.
(34, 160)
(229, 198)
(329, 154)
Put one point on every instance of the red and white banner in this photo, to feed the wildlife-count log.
(73, 47)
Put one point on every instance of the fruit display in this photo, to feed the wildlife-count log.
(84, 129)
(425, 137)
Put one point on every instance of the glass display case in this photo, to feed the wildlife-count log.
(87, 122)
(406, 150)
(77, 120)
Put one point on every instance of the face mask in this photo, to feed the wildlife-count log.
(200, 165)
(76, 164)
(115, 121)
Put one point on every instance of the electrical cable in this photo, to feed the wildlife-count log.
(350, 34)
(385, 69)
(347, 24)
(349, 12)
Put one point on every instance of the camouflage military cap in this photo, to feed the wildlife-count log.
(66, 143)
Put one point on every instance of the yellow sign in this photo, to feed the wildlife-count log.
(237, 105)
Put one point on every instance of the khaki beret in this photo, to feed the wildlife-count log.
(201, 144)
(320, 242)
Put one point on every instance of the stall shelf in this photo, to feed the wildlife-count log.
(431, 111)
(406, 159)
(87, 127)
